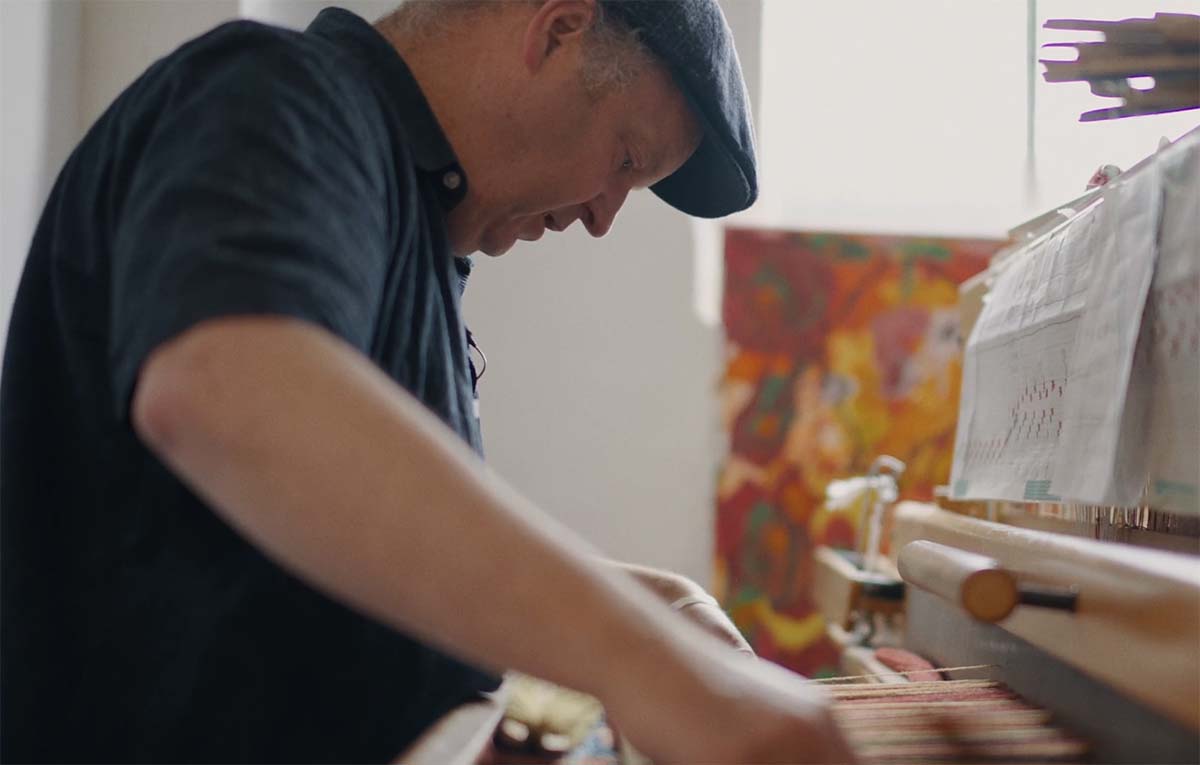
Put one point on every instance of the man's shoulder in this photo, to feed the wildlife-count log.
(245, 77)
(249, 55)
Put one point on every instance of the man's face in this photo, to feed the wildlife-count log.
(581, 157)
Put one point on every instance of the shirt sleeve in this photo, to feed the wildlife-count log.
(254, 193)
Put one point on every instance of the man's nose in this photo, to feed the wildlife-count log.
(602, 211)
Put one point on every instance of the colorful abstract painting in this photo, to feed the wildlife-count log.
(840, 348)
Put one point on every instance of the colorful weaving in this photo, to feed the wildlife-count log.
(938, 721)
(948, 721)
(840, 348)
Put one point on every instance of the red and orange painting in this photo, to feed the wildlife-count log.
(840, 348)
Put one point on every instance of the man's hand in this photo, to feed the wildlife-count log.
(690, 599)
(739, 711)
(724, 710)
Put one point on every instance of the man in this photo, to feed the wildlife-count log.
(242, 518)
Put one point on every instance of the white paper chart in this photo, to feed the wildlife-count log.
(1100, 406)
(1017, 367)
(1170, 367)
(1081, 380)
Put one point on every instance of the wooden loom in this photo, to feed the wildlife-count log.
(1089, 611)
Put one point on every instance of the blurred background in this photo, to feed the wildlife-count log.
(608, 361)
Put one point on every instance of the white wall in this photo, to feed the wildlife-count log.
(911, 117)
(598, 400)
(894, 117)
(120, 38)
(61, 63)
(39, 123)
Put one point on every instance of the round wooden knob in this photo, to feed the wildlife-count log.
(977, 583)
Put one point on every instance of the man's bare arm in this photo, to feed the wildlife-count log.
(314, 455)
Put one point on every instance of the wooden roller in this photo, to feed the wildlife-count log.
(975, 582)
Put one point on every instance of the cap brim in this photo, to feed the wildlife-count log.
(710, 184)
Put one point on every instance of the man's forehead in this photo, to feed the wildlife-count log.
(666, 129)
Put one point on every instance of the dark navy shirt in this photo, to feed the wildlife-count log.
(253, 171)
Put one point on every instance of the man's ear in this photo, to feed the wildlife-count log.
(556, 23)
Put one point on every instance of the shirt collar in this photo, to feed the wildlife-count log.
(430, 149)
(463, 265)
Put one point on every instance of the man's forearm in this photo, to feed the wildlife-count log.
(333, 471)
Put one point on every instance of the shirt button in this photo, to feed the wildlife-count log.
(452, 180)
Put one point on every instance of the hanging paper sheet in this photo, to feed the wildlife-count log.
(1080, 377)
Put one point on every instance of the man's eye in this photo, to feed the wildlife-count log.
(628, 163)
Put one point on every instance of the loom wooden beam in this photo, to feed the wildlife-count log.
(1136, 624)
(976, 583)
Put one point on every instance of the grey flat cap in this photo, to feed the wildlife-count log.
(693, 39)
